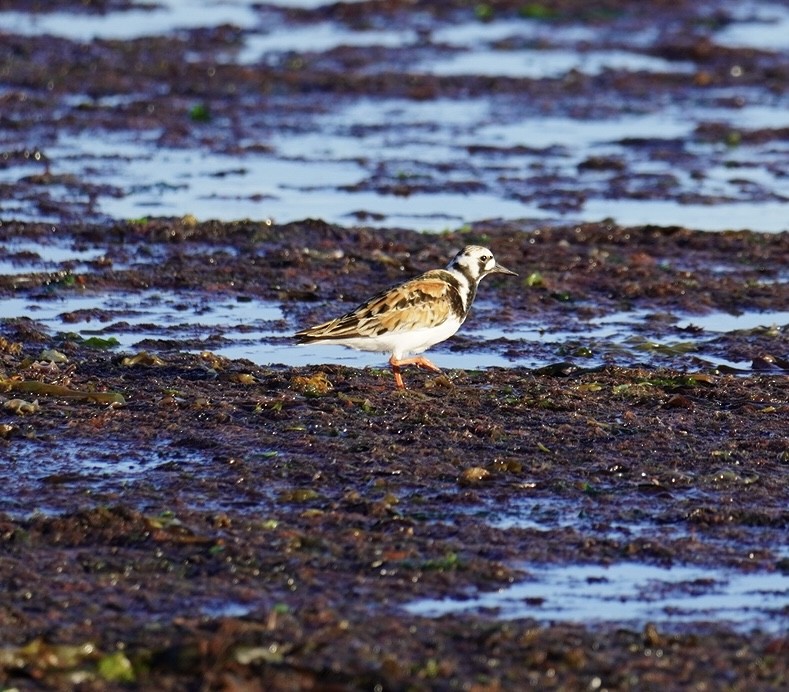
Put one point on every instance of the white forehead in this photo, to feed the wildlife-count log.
(477, 255)
(476, 251)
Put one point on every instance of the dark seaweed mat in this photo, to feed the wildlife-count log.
(321, 514)
(360, 508)
(188, 91)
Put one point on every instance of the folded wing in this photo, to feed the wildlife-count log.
(424, 302)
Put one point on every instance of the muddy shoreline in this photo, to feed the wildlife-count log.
(172, 518)
(231, 523)
(708, 137)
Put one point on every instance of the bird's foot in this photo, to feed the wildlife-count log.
(419, 361)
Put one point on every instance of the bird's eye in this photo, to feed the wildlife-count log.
(484, 258)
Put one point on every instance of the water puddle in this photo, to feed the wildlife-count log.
(759, 25)
(354, 167)
(724, 322)
(229, 326)
(633, 594)
(580, 513)
(767, 217)
(318, 37)
(158, 320)
(21, 257)
(107, 468)
(474, 38)
(161, 18)
(226, 609)
(170, 182)
(392, 162)
(549, 63)
(756, 25)
(238, 326)
(622, 337)
(478, 34)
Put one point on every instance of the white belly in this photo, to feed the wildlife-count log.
(400, 344)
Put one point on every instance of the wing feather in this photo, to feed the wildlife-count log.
(421, 303)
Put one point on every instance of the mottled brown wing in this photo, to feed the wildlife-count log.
(426, 301)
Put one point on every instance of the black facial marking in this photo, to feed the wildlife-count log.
(454, 296)
(463, 269)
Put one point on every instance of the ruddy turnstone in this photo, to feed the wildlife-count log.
(410, 317)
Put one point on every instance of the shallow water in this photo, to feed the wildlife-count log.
(632, 593)
(164, 17)
(237, 326)
(762, 25)
(163, 181)
(508, 158)
(153, 316)
(19, 258)
(539, 64)
(37, 466)
(538, 151)
(725, 322)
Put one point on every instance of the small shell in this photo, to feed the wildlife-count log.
(21, 407)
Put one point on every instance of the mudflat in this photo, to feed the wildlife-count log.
(191, 502)
(176, 519)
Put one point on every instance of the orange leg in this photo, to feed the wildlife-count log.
(419, 361)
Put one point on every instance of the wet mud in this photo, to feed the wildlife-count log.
(171, 518)
(711, 141)
(183, 520)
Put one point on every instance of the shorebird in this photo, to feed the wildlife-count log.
(407, 319)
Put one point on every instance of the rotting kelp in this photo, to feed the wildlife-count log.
(60, 392)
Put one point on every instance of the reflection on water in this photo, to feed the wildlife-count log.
(427, 165)
(245, 327)
(539, 64)
(761, 25)
(160, 18)
(632, 593)
(142, 319)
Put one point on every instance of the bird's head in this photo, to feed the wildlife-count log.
(475, 262)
